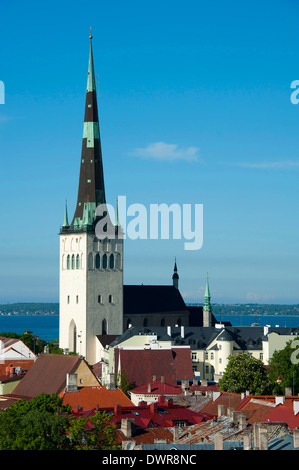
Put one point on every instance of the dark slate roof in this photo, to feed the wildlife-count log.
(246, 337)
(196, 315)
(140, 299)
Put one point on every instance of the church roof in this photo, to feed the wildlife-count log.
(139, 299)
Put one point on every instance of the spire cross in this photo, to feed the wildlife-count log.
(90, 36)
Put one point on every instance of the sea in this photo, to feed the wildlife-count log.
(47, 326)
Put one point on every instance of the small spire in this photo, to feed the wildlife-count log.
(90, 35)
(117, 224)
(66, 221)
(175, 276)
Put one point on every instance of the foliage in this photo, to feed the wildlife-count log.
(122, 382)
(283, 365)
(244, 372)
(44, 423)
(92, 433)
(34, 424)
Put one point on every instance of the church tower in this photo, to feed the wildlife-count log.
(91, 268)
(207, 308)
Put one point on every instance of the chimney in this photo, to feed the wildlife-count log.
(169, 330)
(111, 382)
(218, 442)
(288, 392)
(296, 438)
(182, 332)
(127, 427)
(175, 433)
(162, 379)
(296, 407)
(247, 441)
(153, 408)
(279, 400)
(263, 439)
(221, 410)
(242, 422)
(154, 378)
(117, 410)
(149, 388)
(71, 383)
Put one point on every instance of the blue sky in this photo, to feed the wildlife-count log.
(207, 79)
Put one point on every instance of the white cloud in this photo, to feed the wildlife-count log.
(167, 152)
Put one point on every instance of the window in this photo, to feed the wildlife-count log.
(68, 262)
(220, 360)
(207, 368)
(179, 424)
(77, 299)
(98, 261)
(212, 355)
(163, 322)
(193, 356)
(104, 327)
(73, 261)
(68, 299)
(77, 262)
(110, 299)
(90, 261)
(111, 262)
(105, 261)
(207, 355)
(99, 299)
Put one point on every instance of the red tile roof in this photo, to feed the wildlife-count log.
(157, 388)
(146, 436)
(91, 397)
(142, 364)
(229, 400)
(25, 364)
(282, 414)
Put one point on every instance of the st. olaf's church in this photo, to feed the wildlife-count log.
(93, 300)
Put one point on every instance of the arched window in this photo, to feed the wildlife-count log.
(99, 299)
(179, 322)
(104, 327)
(105, 261)
(110, 299)
(90, 261)
(77, 262)
(98, 261)
(73, 261)
(111, 261)
(145, 322)
(163, 322)
(77, 299)
(68, 299)
(68, 262)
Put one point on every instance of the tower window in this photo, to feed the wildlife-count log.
(77, 299)
(73, 261)
(105, 261)
(68, 299)
(104, 327)
(98, 261)
(110, 299)
(77, 262)
(100, 299)
(68, 262)
(111, 262)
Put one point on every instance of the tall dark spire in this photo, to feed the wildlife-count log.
(91, 191)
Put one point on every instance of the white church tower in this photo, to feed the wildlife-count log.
(91, 268)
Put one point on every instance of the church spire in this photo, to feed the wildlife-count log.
(91, 180)
(207, 308)
(175, 276)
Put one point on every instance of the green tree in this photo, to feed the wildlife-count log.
(38, 424)
(243, 372)
(284, 368)
(93, 433)
(122, 381)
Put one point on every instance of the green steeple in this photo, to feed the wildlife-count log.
(207, 304)
(117, 224)
(66, 221)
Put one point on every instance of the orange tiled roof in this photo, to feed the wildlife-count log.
(91, 397)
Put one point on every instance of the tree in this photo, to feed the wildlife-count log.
(122, 381)
(38, 424)
(92, 433)
(244, 372)
(284, 369)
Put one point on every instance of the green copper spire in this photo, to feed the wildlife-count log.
(91, 83)
(117, 224)
(66, 221)
(207, 304)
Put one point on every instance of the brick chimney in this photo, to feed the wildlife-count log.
(71, 383)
